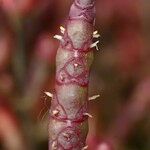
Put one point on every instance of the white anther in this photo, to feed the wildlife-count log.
(94, 45)
(95, 34)
(62, 29)
(94, 97)
(76, 65)
(58, 37)
(76, 54)
(89, 115)
(54, 145)
(62, 77)
(49, 94)
(55, 112)
(85, 147)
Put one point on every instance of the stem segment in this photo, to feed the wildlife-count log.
(68, 125)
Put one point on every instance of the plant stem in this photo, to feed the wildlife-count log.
(68, 126)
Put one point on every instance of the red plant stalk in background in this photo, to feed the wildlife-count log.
(11, 136)
(18, 7)
(68, 125)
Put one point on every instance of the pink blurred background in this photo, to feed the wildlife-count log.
(120, 73)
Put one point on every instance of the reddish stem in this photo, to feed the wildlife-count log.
(68, 125)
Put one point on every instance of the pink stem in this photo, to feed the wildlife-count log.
(68, 125)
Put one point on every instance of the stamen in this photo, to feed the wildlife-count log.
(54, 145)
(49, 94)
(62, 29)
(95, 32)
(89, 115)
(75, 54)
(58, 37)
(62, 77)
(76, 65)
(94, 45)
(96, 35)
(84, 148)
(94, 97)
(55, 112)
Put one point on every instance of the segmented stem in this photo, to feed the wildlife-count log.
(68, 125)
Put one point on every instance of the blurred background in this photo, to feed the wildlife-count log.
(120, 73)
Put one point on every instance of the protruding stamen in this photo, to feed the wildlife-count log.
(76, 54)
(58, 37)
(94, 97)
(85, 147)
(62, 29)
(95, 32)
(62, 77)
(49, 94)
(96, 35)
(76, 65)
(54, 145)
(89, 115)
(94, 45)
(55, 112)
